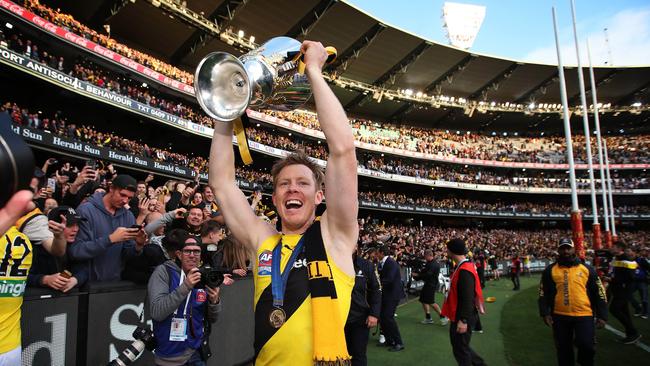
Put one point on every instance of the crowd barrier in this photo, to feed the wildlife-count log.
(92, 327)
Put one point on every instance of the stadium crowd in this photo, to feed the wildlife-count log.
(59, 125)
(68, 22)
(408, 241)
(539, 149)
(499, 206)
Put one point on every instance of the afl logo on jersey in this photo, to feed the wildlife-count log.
(264, 263)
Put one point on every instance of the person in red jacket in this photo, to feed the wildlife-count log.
(463, 304)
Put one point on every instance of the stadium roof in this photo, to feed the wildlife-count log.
(370, 52)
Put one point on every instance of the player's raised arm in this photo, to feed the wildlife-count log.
(239, 217)
(341, 172)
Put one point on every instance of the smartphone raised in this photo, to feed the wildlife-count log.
(51, 184)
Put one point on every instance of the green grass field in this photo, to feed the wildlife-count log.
(513, 334)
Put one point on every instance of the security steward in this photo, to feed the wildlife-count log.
(570, 297)
(364, 309)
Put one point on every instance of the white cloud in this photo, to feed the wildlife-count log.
(629, 41)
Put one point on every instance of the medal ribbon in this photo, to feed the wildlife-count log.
(279, 281)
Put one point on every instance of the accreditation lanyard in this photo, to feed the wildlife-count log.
(178, 331)
(279, 281)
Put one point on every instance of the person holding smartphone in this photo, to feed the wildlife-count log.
(107, 237)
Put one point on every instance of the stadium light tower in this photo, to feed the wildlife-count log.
(462, 23)
(601, 161)
(576, 215)
(585, 121)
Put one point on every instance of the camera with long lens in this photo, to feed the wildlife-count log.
(16, 161)
(144, 339)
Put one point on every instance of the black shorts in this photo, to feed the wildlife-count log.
(428, 295)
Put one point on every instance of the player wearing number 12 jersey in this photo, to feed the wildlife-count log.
(15, 262)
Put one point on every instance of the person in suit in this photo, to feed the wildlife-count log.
(364, 309)
(392, 292)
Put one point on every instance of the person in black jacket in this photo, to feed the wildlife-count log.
(392, 293)
(364, 309)
(622, 278)
(429, 275)
(570, 297)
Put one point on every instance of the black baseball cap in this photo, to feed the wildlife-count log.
(565, 241)
(125, 181)
(71, 216)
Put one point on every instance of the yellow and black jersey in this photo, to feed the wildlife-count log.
(15, 262)
(292, 344)
(572, 290)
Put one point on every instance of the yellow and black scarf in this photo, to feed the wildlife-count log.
(329, 336)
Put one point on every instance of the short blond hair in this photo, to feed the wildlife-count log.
(299, 158)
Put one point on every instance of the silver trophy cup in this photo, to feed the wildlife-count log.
(267, 77)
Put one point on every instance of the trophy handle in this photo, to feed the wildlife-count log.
(331, 56)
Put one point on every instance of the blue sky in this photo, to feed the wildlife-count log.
(523, 29)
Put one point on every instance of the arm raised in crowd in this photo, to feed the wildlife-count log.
(164, 220)
(240, 219)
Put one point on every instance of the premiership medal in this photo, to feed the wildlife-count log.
(279, 279)
(277, 317)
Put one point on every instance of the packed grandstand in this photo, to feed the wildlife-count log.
(428, 170)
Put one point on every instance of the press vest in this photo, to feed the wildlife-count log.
(450, 307)
(194, 315)
(291, 344)
(15, 262)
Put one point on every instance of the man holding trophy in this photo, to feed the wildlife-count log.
(304, 273)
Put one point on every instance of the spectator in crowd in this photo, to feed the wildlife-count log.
(463, 304)
(364, 310)
(392, 293)
(212, 234)
(622, 280)
(59, 273)
(110, 234)
(191, 222)
(429, 275)
(210, 204)
(571, 296)
(180, 309)
(235, 256)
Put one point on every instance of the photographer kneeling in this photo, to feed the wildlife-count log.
(178, 297)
